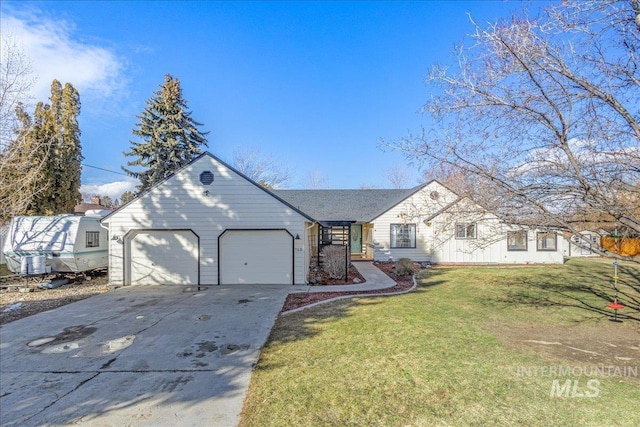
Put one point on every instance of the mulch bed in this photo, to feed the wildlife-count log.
(403, 283)
(353, 277)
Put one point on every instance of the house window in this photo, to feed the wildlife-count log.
(466, 230)
(403, 236)
(517, 240)
(93, 239)
(547, 241)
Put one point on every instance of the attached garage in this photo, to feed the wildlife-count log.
(167, 257)
(256, 257)
(207, 224)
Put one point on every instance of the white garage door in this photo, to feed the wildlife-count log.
(256, 257)
(163, 257)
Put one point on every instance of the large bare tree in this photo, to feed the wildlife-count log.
(16, 81)
(261, 168)
(544, 113)
(316, 180)
(398, 176)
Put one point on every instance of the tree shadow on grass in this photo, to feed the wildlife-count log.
(430, 278)
(304, 324)
(583, 286)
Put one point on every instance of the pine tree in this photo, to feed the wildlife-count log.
(170, 136)
(69, 158)
(126, 197)
(39, 145)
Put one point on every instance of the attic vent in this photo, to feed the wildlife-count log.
(434, 195)
(206, 178)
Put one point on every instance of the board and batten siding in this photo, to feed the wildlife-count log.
(182, 202)
(413, 210)
(490, 245)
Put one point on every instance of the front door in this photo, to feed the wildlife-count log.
(356, 239)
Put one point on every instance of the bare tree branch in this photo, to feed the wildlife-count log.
(398, 176)
(261, 168)
(542, 114)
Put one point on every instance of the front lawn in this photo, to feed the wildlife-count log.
(471, 346)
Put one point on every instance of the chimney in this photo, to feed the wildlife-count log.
(96, 201)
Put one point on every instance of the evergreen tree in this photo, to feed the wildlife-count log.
(126, 197)
(50, 143)
(22, 165)
(170, 136)
(69, 158)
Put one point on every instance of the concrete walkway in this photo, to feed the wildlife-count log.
(375, 279)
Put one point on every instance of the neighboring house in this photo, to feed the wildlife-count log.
(94, 205)
(209, 224)
(583, 244)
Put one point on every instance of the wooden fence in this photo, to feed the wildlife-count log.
(624, 246)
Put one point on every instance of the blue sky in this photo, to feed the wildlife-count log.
(315, 85)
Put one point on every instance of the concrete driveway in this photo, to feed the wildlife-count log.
(161, 356)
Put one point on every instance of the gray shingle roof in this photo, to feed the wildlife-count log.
(345, 205)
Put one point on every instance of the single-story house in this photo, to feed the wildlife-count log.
(209, 224)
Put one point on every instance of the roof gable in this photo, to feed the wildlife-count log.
(178, 174)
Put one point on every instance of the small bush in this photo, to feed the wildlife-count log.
(404, 267)
(334, 261)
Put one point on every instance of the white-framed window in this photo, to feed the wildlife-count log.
(93, 239)
(403, 236)
(517, 240)
(547, 241)
(466, 230)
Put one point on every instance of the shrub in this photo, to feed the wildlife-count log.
(334, 262)
(404, 267)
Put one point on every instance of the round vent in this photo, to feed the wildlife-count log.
(434, 195)
(206, 178)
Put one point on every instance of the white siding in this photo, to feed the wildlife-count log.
(413, 210)
(489, 246)
(436, 238)
(181, 203)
